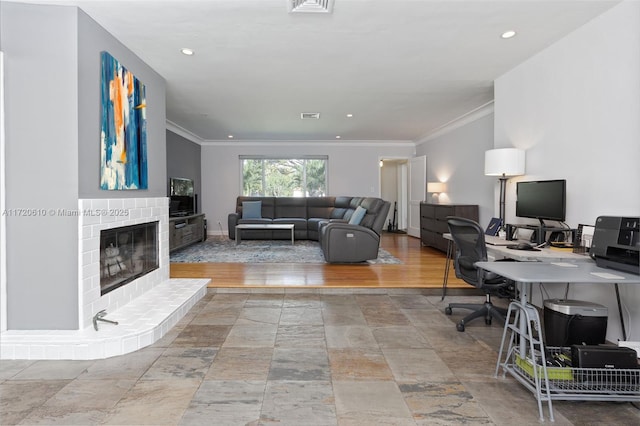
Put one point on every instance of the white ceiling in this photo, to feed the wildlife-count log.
(403, 68)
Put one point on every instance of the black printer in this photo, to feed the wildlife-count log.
(616, 243)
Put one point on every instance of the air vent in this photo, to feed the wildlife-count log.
(310, 6)
(310, 115)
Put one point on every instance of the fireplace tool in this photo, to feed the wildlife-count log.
(99, 317)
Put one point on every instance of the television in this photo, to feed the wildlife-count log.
(181, 197)
(545, 199)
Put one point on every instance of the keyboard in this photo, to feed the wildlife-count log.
(497, 241)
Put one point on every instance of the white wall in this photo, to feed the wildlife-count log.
(457, 158)
(575, 109)
(354, 170)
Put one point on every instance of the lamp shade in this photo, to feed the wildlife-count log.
(504, 162)
(436, 187)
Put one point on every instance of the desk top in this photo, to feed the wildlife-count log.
(541, 255)
(558, 272)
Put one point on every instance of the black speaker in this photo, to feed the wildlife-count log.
(510, 230)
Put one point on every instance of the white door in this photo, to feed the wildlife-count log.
(402, 196)
(417, 192)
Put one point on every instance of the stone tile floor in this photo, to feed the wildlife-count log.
(296, 358)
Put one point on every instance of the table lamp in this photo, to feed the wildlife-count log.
(436, 188)
(505, 163)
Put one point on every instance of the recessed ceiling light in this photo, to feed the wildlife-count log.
(349, 115)
(310, 115)
(338, 137)
(187, 51)
(508, 34)
(230, 136)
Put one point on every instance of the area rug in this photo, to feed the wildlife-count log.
(223, 250)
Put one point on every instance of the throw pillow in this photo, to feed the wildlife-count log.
(252, 209)
(357, 216)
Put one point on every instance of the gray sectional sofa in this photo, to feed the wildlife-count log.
(323, 219)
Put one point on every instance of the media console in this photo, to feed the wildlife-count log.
(186, 230)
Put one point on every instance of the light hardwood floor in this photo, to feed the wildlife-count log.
(422, 267)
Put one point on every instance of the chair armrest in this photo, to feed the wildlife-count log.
(232, 221)
(345, 243)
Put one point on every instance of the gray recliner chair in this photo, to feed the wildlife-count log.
(342, 242)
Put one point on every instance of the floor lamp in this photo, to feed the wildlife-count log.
(503, 162)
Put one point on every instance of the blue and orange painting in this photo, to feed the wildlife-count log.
(123, 137)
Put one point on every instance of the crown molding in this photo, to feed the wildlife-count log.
(181, 131)
(342, 142)
(454, 124)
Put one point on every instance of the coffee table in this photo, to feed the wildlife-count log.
(263, 226)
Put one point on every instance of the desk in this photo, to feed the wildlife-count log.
(527, 273)
(531, 347)
(501, 251)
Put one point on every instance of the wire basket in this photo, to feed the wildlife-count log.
(578, 381)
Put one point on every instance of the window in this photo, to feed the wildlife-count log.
(284, 177)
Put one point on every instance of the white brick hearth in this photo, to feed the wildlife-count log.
(145, 308)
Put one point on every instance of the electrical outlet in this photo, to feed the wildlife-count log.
(633, 345)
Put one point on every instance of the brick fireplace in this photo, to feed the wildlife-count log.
(145, 307)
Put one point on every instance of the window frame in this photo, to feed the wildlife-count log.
(264, 158)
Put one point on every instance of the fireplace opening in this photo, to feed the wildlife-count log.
(127, 253)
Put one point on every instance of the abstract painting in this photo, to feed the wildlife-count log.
(123, 137)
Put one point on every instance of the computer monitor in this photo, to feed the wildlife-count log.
(540, 200)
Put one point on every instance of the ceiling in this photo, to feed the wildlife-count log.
(403, 68)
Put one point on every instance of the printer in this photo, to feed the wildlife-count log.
(616, 243)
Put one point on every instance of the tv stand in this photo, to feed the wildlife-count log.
(186, 230)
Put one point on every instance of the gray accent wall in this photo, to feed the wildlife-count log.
(184, 160)
(52, 104)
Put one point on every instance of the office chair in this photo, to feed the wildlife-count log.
(470, 248)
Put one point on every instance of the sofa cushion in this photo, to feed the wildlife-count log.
(357, 215)
(252, 209)
(320, 207)
(373, 206)
(267, 205)
(290, 207)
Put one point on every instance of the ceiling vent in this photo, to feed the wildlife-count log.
(310, 116)
(310, 6)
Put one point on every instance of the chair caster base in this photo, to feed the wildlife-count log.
(460, 326)
(448, 310)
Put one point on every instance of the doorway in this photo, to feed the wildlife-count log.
(403, 183)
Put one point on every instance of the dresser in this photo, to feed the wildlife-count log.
(433, 221)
